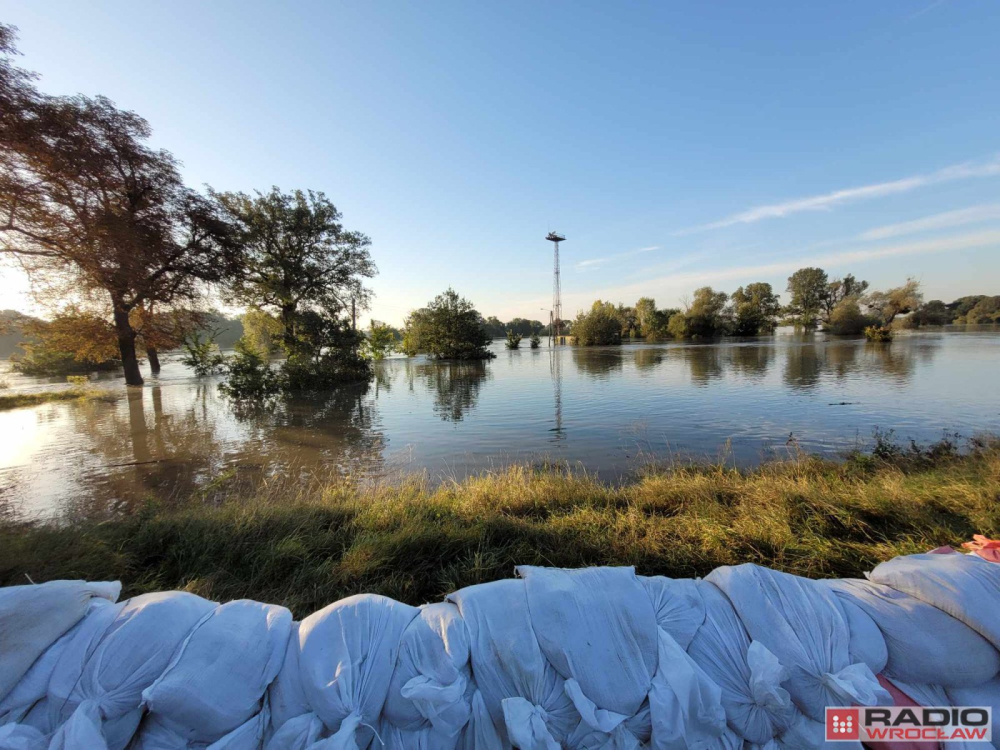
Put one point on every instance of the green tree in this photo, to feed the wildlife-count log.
(448, 328)
(513, 339)
(985, 312)
(262, 332)
(677, 325)
(932, 313)
(296, 256)
(839, 290)
(495, 327)
(381, 340)
(756, 308)
(598, 326)
(847, 318)
(809, 291)
(707, 316)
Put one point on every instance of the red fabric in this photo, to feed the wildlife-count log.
(899, 698)
(981, 546)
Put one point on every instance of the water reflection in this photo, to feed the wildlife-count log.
(455, 386)
(751, 360)
(177, 438)
(599, 363)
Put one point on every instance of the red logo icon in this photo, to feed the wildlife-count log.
(843, 724)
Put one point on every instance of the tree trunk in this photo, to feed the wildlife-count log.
(154, 359)
(288, 326)
(126, 345)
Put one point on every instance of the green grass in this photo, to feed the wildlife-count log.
(306, 547)
(21, 400)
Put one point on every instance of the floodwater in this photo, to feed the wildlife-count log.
(608, 410)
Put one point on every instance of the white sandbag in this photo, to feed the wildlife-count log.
(685, 705)
(347, 652)
(522, 692)
(757, 707)
(34, 685)
(33, 617)
(924, 644)
(21, 737)
(677, 605)
(217, 678)
(804, 625)
(97, 684)
(965, 586)
(866, 642)
(987, 694)
(597, 627)
(431, 687)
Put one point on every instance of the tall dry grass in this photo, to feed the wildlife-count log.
(307, 545)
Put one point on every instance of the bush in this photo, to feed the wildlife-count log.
(847, 319)
(40, 359)
(513, 339)
(534, 340)
(598, 327)
(381, 340)
(677, 325)
(878, 333)
(249, 376)
(202, 355)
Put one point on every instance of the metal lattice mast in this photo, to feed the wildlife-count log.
(556, 329)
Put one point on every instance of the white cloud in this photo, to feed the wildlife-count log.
(827, 201)
(946, 220)
(595, 263)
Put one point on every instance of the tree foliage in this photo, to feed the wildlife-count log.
(448, 328)
(381, 340)
(89, 207)
(897, 301)
(598, 326)
(296, 256)
(808, 288)
(755, 308)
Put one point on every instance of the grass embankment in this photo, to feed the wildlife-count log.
(19, 400)
(415, 543)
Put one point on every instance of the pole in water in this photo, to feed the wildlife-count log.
(555, 238)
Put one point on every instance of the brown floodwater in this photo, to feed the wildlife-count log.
(606, 409)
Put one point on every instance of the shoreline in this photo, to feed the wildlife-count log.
(304, 546)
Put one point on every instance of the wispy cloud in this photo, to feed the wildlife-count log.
(828, 201)
(595, 263)
(946, 220)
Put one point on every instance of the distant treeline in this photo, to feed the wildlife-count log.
(844, 306)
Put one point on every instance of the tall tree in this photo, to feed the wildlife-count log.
(808, 289)
(839, 290)
(756, 308)
(89, 209)
(297, 256)
(450, 327)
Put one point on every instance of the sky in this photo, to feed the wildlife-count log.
(674, 144)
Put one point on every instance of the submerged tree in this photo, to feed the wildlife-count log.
(893, 302)
(448, 328)
(756, 308)
(89, 209)
(809, 290)
(598, 326)
(296, 256)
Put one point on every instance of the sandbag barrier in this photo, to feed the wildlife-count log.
(597, 659)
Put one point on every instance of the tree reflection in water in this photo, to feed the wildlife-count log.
(704, 361)
(196, 446)
(454, 385)
(751, 360)
(598, 362)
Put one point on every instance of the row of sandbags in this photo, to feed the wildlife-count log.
(597, 658)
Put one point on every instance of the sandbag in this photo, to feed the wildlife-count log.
(33, 617)
(986, 694)
(803, 625)
(586, 622)
(96, 687)
(866, 643)
(524, 695)
(677, 606)
(430, 693)
(965, 586)
(216, 680)
(21, 737)
(347, 652)
(757, 707)
(924, 644)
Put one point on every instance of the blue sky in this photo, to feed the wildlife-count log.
(676, 144)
